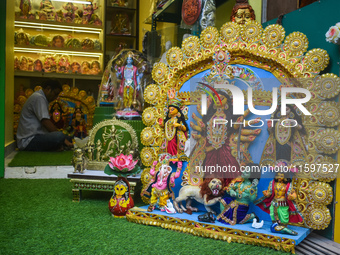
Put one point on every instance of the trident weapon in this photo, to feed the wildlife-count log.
(239, 153)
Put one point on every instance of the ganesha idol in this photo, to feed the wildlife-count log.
(163, 180)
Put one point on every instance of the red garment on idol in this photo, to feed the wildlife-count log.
(222, 157)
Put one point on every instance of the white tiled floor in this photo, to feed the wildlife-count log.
(39, 172)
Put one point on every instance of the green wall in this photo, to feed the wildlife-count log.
(2, 84)
(314, 21)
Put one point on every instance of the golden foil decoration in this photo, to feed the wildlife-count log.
(209, 37)
(148, 156)
(251, 31)
(316, 60)
(328, 85)
(296, 44)
(160, 72)
(149, 116)
(328, 141)
(174, 56)
(320, 192)
(329, 169)
(230, 31)
(151, 94)
(328, 114)
(191, 46)
(317, 216)
(147, 136)
(273, 35)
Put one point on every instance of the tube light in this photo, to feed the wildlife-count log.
(72, 1)
(57, 27)
(45, 51)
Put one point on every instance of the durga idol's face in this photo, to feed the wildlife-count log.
(223, 99)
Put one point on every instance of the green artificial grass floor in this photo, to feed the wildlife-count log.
(39, 217)
(30, 158)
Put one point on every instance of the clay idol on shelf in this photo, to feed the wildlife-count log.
(63, 64)
(16, 63)
(97, 45)
(95, 67)
(38, 65)
(278, 201)
(22, 38)
(242, 191)
(50, 64)
(75, 67)
(59, 16)
(70, 9)
(119, 3)
(46, 10)
(30, 65)
(88, 11)
(58, 41)
(85, 67)
(23, 64)
(40, 40)
(95, 20)
(175, 127)
(73, 43)
(242, 12)
(25, 7)
(120, 24)
(163, 180)
(87, 44)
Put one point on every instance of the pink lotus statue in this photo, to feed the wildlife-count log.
(122, 165)
(123, 162)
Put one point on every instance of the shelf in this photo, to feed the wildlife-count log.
(58, 75)
(45, 22)
(33, 49)
(122, 36)
(114, 8)
(170, 12)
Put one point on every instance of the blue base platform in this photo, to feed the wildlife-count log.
(265, 230)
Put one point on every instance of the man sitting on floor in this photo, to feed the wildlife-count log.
(36, 132)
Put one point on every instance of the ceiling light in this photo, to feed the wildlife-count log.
(76, 2)
(57, 27)
(61, 52)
